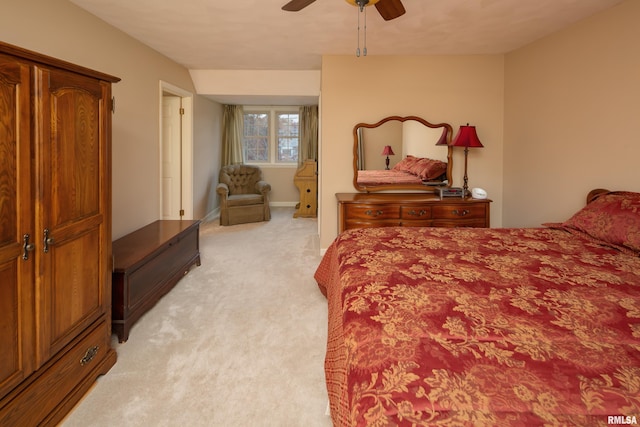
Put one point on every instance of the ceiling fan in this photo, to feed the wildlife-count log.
(388, 9)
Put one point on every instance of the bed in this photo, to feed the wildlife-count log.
(369, 178)
(411, 170)
(466, 326)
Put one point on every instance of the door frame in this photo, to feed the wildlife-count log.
(187, 146)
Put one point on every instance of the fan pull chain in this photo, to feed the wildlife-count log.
(365, 33)
(362, 9)
(358, 49)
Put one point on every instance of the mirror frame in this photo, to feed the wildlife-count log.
(402, 187)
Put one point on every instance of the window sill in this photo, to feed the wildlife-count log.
(275, 165)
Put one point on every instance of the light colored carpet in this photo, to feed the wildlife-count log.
(239, 341)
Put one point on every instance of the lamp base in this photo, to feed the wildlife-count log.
(465, 186)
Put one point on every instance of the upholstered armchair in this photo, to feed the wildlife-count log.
(244, 196)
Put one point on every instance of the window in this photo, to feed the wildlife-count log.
(271, 135)
(255, 142)
(288, 137)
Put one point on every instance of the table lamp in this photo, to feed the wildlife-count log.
(387, 151)
(466, 137)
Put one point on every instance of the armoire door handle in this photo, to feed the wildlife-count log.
(26, 247)
(48, 241)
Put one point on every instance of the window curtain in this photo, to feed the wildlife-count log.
(232, 132)
(308, 148)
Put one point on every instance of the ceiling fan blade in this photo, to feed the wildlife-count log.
(390, 9)
(296, 5)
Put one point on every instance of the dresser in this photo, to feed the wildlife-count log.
(359, 210)
(55, 235)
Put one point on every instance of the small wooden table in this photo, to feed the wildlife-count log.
(147, 264)
(306, 179)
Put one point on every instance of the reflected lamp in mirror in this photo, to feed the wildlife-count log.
(443, 138)
(466, 137)
(387, 151)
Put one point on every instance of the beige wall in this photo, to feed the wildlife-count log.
(452, 89)
(572, 106)
(283, 190)
(206, 163)
(60, 29)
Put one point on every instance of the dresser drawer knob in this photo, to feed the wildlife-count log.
(422, 212)
(89, 355)
(373, 213)
(463, 212)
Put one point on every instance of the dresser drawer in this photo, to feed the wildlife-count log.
(358, 210)
(460, 211)
(372, 212)
(415, 212)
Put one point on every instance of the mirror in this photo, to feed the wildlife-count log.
(419, 155)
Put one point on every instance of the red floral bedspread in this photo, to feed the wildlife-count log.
(480, 327)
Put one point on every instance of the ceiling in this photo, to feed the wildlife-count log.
(258, 35)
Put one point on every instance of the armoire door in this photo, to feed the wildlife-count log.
(16, 226)
(73, 163)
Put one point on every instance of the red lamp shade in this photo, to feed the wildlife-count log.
(387, 151)
(443, 138)
(467, 137)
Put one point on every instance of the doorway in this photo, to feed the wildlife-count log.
(176, 153)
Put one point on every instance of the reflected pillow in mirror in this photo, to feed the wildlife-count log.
(428, 169)
(613, 218)
(406, 164)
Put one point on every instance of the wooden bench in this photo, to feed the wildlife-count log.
(146, 265)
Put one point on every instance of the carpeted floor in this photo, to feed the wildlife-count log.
(239, 341)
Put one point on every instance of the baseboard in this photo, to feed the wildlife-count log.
(283, 204)
(216, 212)
(212, 215)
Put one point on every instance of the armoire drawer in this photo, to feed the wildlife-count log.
(61, 378)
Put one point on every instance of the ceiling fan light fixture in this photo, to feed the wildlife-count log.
(362, 3)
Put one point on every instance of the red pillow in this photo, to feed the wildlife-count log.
(428, 169)
(613, 218)
(432, 169)
(405, 164)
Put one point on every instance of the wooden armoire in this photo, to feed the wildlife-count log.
(55, 235)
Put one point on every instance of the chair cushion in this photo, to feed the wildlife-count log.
(244, 200)
(241, 179)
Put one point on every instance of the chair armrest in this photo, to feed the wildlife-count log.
(263, 187)
(222, 189)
